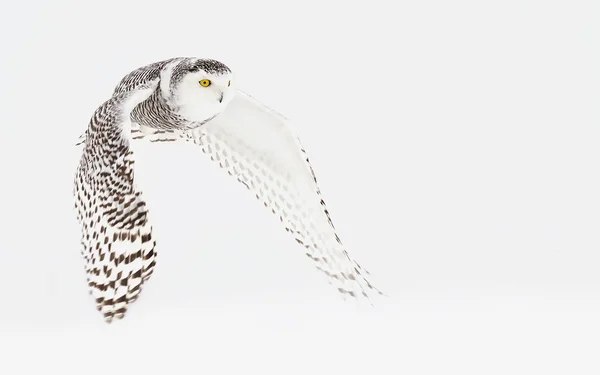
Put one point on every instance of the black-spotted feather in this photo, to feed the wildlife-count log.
(118, 248)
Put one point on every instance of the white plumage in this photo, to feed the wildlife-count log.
(251, 142)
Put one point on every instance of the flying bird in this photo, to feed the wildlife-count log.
(193, 100)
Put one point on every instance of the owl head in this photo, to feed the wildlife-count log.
(197, 89)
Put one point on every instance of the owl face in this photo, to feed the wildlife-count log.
(201, 90)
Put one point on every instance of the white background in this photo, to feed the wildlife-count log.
(456, 144)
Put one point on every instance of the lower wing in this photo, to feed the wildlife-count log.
(258, 147)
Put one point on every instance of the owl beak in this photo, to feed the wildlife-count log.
(221, 97)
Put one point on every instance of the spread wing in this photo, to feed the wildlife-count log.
(257, 146)
(118, 248)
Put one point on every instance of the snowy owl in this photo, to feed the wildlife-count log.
(193, 100)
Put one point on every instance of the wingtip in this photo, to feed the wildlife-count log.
(81, 139)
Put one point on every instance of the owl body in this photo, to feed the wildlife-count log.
(194, 100)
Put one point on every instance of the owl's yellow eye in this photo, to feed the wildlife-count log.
(228, 83)
(205, 83)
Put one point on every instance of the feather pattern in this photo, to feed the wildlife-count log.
(117, 244)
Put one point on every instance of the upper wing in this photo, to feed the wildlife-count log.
(257, 146)
(118, 248)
